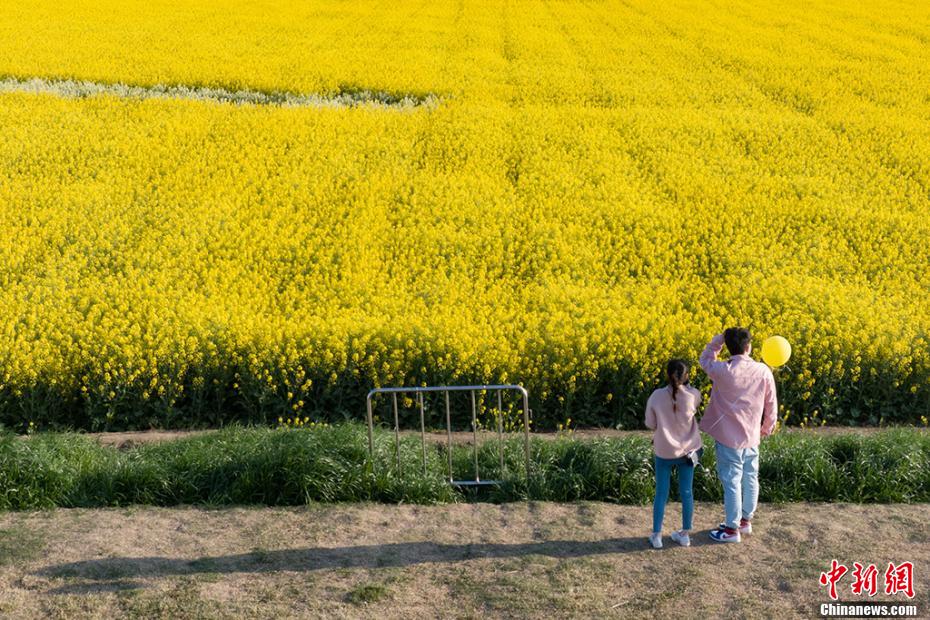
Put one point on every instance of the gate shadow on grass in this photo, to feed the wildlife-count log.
(115, 573)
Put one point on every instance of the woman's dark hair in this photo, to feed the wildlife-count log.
(677, 373)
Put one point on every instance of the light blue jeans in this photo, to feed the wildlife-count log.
(664, 482)
(738, 471)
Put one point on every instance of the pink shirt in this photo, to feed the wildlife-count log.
(742, 400)
(676, 431)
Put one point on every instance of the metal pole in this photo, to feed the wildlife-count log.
(449, 434)
(474, 428)
(396, 435)
(371, 447)
(526, 431)
(423, 432)
(500, 430)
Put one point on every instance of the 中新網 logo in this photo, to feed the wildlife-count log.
(865, 579)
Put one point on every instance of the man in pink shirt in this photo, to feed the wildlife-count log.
(742, 408)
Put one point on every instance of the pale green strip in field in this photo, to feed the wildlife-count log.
(80, 89)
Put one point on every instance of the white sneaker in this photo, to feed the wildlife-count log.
(681, 538)
(655, 539)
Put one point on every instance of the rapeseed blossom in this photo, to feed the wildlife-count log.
(594, 188)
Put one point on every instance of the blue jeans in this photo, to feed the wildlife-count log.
(738, 471)
(663, 482)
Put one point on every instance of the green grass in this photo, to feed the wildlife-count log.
(18, 544)
(366, 593)
(330, 464)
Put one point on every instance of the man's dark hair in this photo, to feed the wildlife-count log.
(737, 340)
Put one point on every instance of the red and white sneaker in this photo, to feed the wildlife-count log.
(745, 527)
(725, 535)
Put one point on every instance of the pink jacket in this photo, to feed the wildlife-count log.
(676, 431)
(742, 401)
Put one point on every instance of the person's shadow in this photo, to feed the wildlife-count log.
(110, 574)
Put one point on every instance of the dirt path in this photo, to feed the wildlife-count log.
(129, 439)
(466, 560)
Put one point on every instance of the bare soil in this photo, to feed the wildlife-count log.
(466, 560)
(126, 440)
(130, 439)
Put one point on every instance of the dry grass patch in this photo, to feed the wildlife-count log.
(462, 560)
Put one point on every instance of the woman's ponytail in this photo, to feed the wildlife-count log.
(677, 373)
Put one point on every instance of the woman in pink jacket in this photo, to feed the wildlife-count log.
(670, 413)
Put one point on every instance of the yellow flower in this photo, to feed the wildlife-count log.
(547, 219)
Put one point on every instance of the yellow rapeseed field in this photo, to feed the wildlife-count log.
(596, 186)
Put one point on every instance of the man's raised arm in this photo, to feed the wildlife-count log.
(708, 359)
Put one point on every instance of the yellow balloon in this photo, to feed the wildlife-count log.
(776, 351)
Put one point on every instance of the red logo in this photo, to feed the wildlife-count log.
(831, 578)
(864, 580)
(898, 579)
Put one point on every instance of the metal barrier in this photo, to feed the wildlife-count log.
(419, 391)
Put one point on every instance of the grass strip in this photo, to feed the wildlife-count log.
(240, 465)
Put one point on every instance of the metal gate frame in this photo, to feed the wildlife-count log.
(419, 391)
